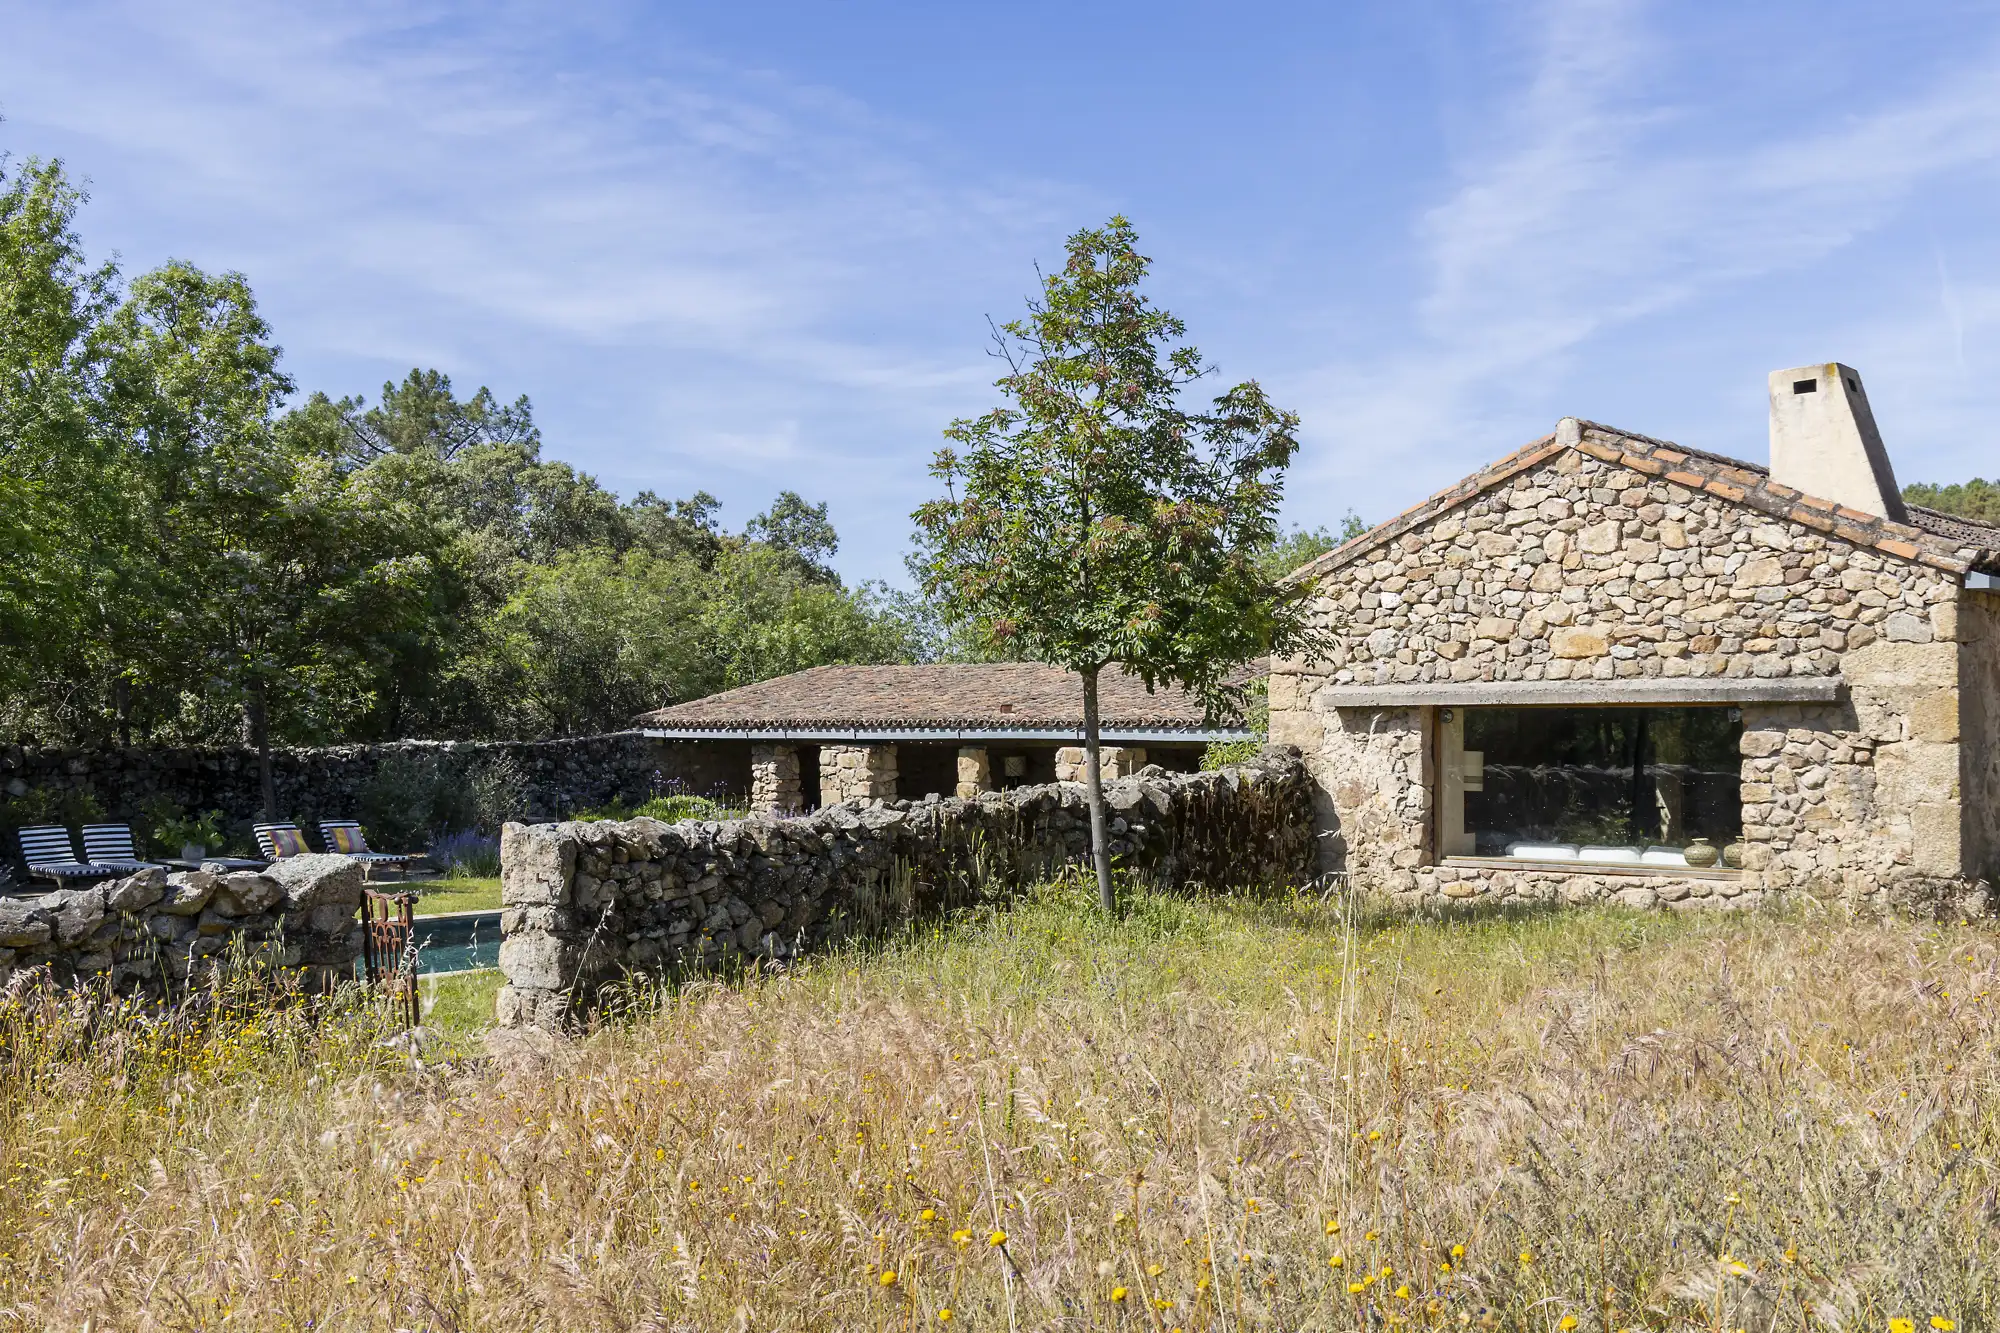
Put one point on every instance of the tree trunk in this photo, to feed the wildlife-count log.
(1093, 782)
(260, 736)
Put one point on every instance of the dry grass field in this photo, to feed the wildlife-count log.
(1207, 1116)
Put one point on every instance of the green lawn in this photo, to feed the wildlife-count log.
(457, 895)
(461, 1004)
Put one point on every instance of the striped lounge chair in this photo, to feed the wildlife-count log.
(111, 845)
(344, 836)
(279, 841)
(51, 855)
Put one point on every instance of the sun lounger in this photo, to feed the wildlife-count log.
(51, 854)
(344, 837)
(111, 845)
(279, 841)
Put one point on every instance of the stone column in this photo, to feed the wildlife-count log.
(857, 773)
(774, 779)
(975, 771)
(1113, 761)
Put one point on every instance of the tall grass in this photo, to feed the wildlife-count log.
(1205, 1116)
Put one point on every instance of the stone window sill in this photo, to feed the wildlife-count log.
(1611, 868)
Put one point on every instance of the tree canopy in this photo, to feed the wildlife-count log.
(199, 554)
(1977, 498)
(1096, 519)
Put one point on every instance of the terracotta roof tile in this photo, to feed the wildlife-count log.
(948, 696)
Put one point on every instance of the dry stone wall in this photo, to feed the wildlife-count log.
(157, 932)
(325, 783)
(589, 904)
(1582, 569)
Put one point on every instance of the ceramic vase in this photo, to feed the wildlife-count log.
(1701, 853)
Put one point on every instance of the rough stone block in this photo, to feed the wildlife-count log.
(1937, 832)
(314, 880)
(1934, 716)
(136, 893)
(21, 924)
(1578, 642)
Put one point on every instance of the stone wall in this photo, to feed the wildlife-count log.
(774, 779)
(857, 773)
(1978, 726)
(1113, 761)
(156, 932)
(1582, 569)
(325, 783)
(587, 904)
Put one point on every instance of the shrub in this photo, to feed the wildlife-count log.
(1221, 754)
(667, 809)
(400, 798)
(71, 807)
(498, 792)
(467, 854)
(413, 797)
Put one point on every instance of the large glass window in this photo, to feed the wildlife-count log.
(1617, 785)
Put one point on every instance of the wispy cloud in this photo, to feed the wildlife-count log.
(466, 186)
(1587, 208)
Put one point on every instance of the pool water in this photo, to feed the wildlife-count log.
(457, 941)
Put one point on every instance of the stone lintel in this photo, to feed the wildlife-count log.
(1582, 693)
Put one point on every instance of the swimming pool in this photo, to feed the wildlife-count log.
(457, 941)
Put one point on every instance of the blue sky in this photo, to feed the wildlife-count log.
(753, 246)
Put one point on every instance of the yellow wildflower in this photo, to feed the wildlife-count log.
(888, 1278)
(998, 1237)
(1118, 1293)
(1335, 1262)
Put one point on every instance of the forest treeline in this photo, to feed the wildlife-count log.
(196, 553)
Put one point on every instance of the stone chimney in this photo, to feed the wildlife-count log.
(1824, 441)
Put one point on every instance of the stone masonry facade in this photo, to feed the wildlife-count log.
(1604, 560)
(586, 905)
(857, 773)
(774, 779)
(1113, 761)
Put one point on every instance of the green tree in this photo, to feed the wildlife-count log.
(1301, 545)
(422, 416)
(52, 301)
(1098, 522)
(1977, 498)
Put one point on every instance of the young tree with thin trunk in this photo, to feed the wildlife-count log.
(1096, 522)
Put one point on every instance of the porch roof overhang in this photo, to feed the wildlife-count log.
(1583, 693)
(952, 735)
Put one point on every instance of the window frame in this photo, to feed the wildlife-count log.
(1448, 792)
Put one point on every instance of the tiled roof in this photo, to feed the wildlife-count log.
(1005, 696)
(1943, 541)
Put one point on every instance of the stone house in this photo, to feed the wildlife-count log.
(1610, 667)
(838, 733)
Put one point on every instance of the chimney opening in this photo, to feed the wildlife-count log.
(1853, 385)
(1805, 386)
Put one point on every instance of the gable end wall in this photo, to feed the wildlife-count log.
(1586, 570)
